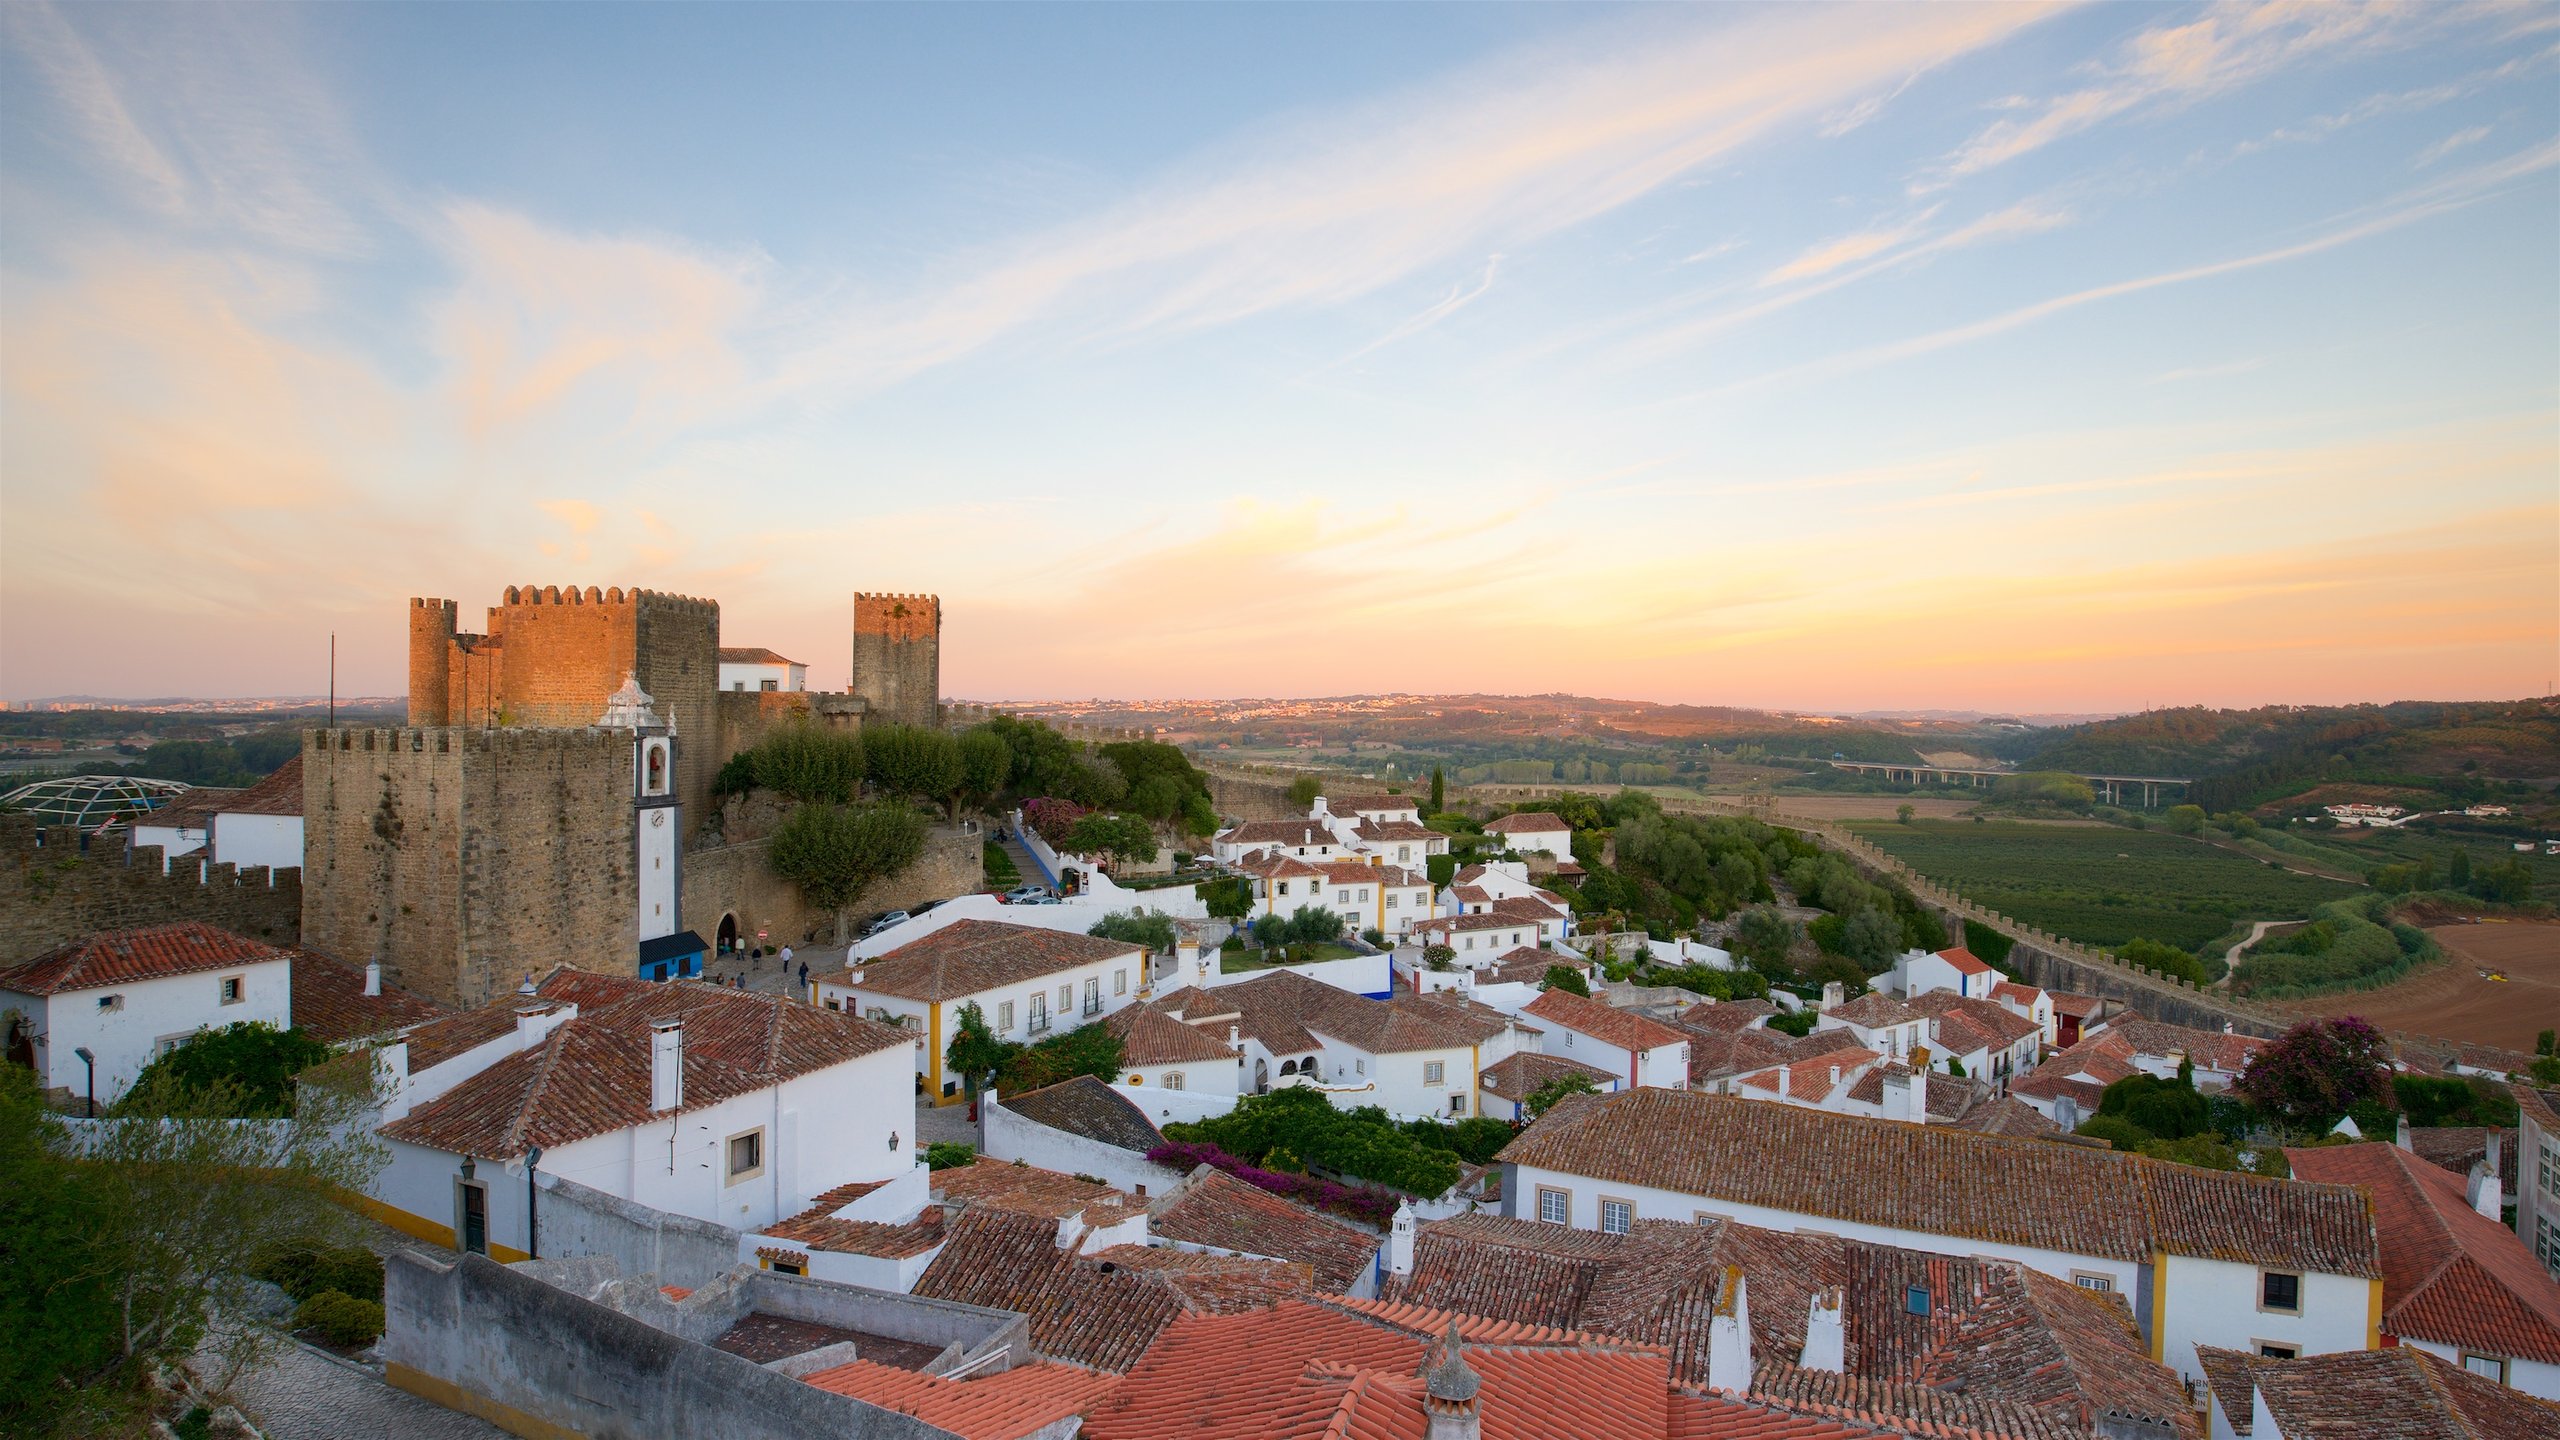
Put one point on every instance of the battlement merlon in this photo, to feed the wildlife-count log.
(445, 739)
(602, 595)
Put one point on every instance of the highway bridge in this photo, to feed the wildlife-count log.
(2146, 791)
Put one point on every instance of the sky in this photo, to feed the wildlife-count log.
(1824, 357)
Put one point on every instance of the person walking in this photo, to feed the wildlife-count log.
(804, 976)
(786, 958)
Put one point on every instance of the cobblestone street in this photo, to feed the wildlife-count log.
(296, 1393)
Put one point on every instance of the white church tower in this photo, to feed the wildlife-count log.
(667, 950)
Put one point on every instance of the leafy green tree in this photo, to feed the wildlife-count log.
(2163, 958)
(915, 762)
(985, 764)
(1085, 1050)
(1439, 957)
(835, 852)
(1544, 1098)
(2317, 1071)
(809, 764)
(2184, 820)
(257, 1059)
(1567, 978)
(1228, 898)
(1872, 938)
(1314, 925)
(1137, 927)
(1798, 1023)
(1301, 1123)
(1439, 790)
(1905, 812)
(1303, 791)
(1125, 838)
(2162, 1109)
(1763, 938)
(2044, 787)
(974, 1051)
(949, 1154)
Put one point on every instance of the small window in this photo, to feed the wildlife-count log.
(1173, 1079)
(1915, 1300)
(1360, 1067)
(834, 1004)
(1555, 1207)
(1616, 1216)
(1119, 982)
(231, 990)
(1066, 997)
(1568, 1039)
(784, 1267)
(772, 685)
(1434, 1072)
(1004, 1015)
(2279, 1352)
(2103, 1284)
(2280, 1292)
(1458, 1104)
(2487, 1367)
(746, 1156)
(110, 1002)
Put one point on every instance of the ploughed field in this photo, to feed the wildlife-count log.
(2455, 1000)
(2102, 885)
(1872, 807)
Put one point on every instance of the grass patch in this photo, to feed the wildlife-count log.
(1002, 874)
(2103, 886)
(1231, 962)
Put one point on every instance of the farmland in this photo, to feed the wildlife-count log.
(2102, 885)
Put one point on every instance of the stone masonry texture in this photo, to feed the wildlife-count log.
(56, 887)
(897, 656)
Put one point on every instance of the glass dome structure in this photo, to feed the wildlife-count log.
(91, 802)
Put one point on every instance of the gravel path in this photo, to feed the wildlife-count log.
(297, 1393)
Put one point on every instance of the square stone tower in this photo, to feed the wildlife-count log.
(897, 657)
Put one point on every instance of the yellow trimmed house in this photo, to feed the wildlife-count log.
(1029, 982)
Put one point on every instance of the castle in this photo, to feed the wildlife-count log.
(510, 826)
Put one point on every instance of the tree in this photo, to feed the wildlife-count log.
(259, 1060)
(984, 764)
(1905, 811)
(120, 1238)
(1314, 925)
(1871, 937)
(974, 1051)
(1764, 938)
(2164, 958)
(1051, 818)
(915, 762)
(2457, 870)
(2317, 1071)
(809, 764)
(1566, 977)
(1125, 838)
(1303, 791)
(834, 852)
(1228, 898)
(1137, 927)
(2184, 819)
(1544, 1098)
(1439, 790)
(2162, 1109)
(1439, 957)
(1085, 1050)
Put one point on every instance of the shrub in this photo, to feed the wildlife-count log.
(949, 1154)
(253, 1055)
(2162, 1109)
(1366, 1204)
(1306, 1126)
(1566, 977)
(1798, 1024)
(2205, 1152)
(303, 1273)
(2115, 1130)
(340, 1319)
(1137, 927)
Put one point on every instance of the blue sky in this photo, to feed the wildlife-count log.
(1832, 357)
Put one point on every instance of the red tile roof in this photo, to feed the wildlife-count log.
(279, 794)
(1964, 1024)
(1029, 1190)
(126, 957)
(329, 1003)
(1220, 1212)
(1008, 1405)
(2449, 1274)
(1301, 833)
(590, 1075)
(1522, 1074)
(1926, 1178)
(1534, 822)
(753, 655)
(1149, 1036)
(819, 1228)
(1078, 1311)
(2015, 993)
(2402, 1392)
(1873, 1010)
(1814, 1078)
(1603, 1022)
(1215, 1284)
(971, 957)
(1086, 1106)
(1709, 1015)
(1285, 1010)
(1964, 961)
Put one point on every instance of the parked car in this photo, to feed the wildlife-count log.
(1029, 894)
(894, 917)
(1040, 899)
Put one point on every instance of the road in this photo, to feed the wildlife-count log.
(2231, 957)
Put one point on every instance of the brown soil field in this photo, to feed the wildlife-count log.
(2452, 1000)
(1869, 807)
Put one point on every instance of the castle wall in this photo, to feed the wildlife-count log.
(463, 858)
(54, 890)
(738, 879)
(743, 718)
(897, 656)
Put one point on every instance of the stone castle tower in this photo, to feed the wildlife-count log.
(897, 657)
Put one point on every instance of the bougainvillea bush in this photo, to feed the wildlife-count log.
(1051, 818)
(1366, 1204)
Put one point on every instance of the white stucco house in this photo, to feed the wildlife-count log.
(1879, 1022)
(1030, 982)
(125, 996)
(2202, 1257)
(1412, 1056)
(259, 826)
(1640, 1050)
(756, 668)
(1918, 972)
(1534, 830)
(730, 1106)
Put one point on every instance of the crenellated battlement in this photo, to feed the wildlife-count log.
(615, 595)
(461, 739)
(58, 883)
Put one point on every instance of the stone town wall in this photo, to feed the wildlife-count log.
(738, 880)
(575, 1220)
(463, 858)
(897, 656)
(1244, 795)
(743, 718)
(57, 885)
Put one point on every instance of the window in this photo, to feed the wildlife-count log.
(1039, 1012)
(2273, 1351)
(1284, 887)
(1066, 998)
(1360, 1066)
(1092, 995)
(1364, 894)
(1616, 1216)
(785, 1267)
(1915, 1300)
(1391, 899)
(771, 685)
(1173, 1079)
(834, 1004)
(2280, 1292)
(1434, 1072)
(1568, 1039)
(110, 1002)
(1341, 897)
(2487, 1367)
(2103, 1284)
(746, 1156)
(1119, 982)
(231, 989)
(1004, 1016)
(1555, 1207)
(1458, 1104)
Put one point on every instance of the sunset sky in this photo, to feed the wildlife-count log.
(1826, 357)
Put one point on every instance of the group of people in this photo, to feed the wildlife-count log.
(756, 955)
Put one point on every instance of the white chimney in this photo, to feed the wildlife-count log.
(1826, 1345)
(1235, 1037)
(2488, 1193)
(1919, 1096)
(1729, 1337)
(1833, 993)
(1322, 810)
(1782, 1080)
(1400, 1240)
(2400, 1135)
(373, 977)
(1897, 1096)
(666, 1065)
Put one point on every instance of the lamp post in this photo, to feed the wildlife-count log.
(92, 1062)
(532, 1246)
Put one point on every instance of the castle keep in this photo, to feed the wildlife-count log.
(897, 657)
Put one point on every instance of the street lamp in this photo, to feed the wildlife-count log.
(92, 1062)
(532, 1245)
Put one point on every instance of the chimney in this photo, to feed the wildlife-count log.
(1729, 1337)
(1322, 810)
(1833, 992)
(1400, 1240)
(373, 977)
(1826, 1345)
(1897, 1096)
(1835, 1081)
(1235, 1037)
(1449, 1389)
(1919, 1095)
(2400, 1135)
(2488, 1192)
(1782, 1080)
(2497, 1157)
(536, 1019)
(666, 1065)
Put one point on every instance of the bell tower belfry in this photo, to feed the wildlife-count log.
(666, 949)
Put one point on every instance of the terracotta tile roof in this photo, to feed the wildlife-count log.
(1086, 1106)
(1469, 895)
(1533, 822)
(1528, 965)
(2401, 1392)
(1716, 1055)
(1815, 1078)
(1471, 922)
(1272, 865)
(1951, 1098)
(1925, 1178)
(1375, 831)
(1078, 1312)
(590, 1075)
(2015, 993)
(1300, 833)
(1215, 1284)
(1603, 1022)
(1148, 1036)
(1217, 1210)
(1363, 804)
(329, 1003)
(2449, 1274)
(2459, 1147)
(441, 1039)
(2210, 1049)
(753, 655)
(2066, 1003)
(1964, 961)
(2007, 1116)
(2069, 1352)
(1029, 1190)
(125, 957)
(1285, 1010)
(1523, 1073)
(970, 957)
(1713, 1015)
(191, 810)
(2081, 1073)
(819, 1228)
(1522, 907)
(1872, 1010)
(1962, 1024)
(279, 794)
(1008, 1405)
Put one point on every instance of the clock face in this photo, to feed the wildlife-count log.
(657, 817)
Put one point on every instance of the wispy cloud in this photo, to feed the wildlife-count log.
(1842, 250)
(2449, 144)
(1459, 297)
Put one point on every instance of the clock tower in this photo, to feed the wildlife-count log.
(666, 950)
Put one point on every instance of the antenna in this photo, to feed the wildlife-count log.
(333, 679)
